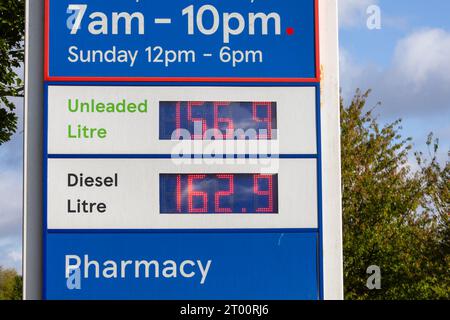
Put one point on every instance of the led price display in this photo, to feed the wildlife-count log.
(210, 120)
(218, 193)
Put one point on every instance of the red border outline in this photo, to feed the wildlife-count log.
(47, 76)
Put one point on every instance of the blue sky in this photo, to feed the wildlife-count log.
(11, 198)
(406, 63)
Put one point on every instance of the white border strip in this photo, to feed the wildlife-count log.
(331, 166)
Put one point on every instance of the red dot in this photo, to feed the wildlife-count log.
(290, 31)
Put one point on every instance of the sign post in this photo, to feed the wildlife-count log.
(183, 151)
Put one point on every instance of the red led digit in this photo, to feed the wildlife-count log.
(229, 132)
(178, 120)
(267, 120)
(220, 194)
(179, 193)
(203, 121)
(192, 194)
(268, 192)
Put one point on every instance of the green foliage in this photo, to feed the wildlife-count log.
(393, 217)
(12, 30)
(10, 285)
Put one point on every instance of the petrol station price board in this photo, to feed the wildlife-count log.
(182, 150)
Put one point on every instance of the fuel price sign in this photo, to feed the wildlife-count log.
(183, 151)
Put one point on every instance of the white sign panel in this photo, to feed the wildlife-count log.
(123, 120)
(125, 194)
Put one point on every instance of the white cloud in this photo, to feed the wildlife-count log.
(423, 56)
(11, 253)
(10, 202)
(15, 256)
(10, 218)
(352, 13)
(352, 73)
(414, 86)
(416, 81)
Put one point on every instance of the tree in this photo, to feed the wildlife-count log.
(10, 285)
(12, 30)
(393, 217)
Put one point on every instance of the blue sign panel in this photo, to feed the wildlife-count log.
(182, 266)
(172, 40)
